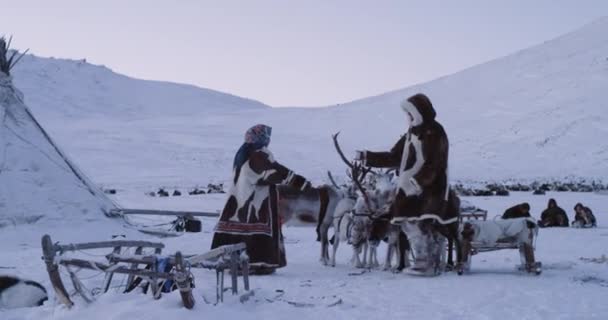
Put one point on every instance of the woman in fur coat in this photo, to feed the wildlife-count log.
(251, 211)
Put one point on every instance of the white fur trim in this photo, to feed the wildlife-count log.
(416, 186)
(305, 185)
(410, 188)
(411, 109)
(267, 173)
(414, 141)
(289, 178)
(415, 183)
(405, 178)
(405, 154)
(246, 185)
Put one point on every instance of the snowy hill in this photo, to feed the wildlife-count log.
(533, 114)
(75, 89)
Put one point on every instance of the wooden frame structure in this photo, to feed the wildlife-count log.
(140, 267)
(475, 215)
(471, 248)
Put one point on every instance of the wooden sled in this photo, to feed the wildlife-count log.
(141, 267)
(471, 248)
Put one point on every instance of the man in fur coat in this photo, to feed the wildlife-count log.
(422, 158)
(421, 155)
(251, 211)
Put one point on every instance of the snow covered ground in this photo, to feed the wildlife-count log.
(535, 114)
(569, 287)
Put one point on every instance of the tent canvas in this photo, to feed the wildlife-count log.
(37, 179)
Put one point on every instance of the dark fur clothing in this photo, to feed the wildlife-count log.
(517, 211)
(584, 217)
(553, 216)
(251, 211)
(422, 158)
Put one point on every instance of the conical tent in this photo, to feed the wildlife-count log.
(37, 179)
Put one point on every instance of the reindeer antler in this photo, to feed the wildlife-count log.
(362, 172)
(356, 168)
(358, 172)
(339, 150)
(331, 178)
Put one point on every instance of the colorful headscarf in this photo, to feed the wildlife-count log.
(258, 134)
(256, 137)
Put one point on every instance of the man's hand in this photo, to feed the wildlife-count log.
(359, 155)
(300, 183)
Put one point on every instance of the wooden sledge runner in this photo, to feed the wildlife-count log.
(186, 221)
(226, 257)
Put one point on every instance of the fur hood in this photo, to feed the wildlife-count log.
(421, 109)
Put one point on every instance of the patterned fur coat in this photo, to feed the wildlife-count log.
(422, 158)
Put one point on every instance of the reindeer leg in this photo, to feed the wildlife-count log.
(403, 260)
(335, 248)
(450, 264)
(324, 244)
(465, 248)
(406, 258)
(373, 256)
(326, 251)
(458, 249)
(365, 247)
(389, 256)
(376, 263)
(355, 260)
(323, 234)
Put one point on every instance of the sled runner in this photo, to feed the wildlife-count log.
(159, 273)
(186, 221)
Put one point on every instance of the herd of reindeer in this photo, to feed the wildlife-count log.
(359, 212)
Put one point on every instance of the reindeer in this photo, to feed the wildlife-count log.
(348, 226)
(380, 226)
(369, 220)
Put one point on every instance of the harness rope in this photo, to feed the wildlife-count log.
(438, 219)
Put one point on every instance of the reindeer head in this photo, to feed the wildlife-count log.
(358, 229)
(374, 196)
(356, 174)
(385, 190)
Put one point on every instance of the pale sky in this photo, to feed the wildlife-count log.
(290, 53)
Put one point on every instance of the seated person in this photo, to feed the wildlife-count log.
(521, 210)
(583, 218)
(553, 216)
